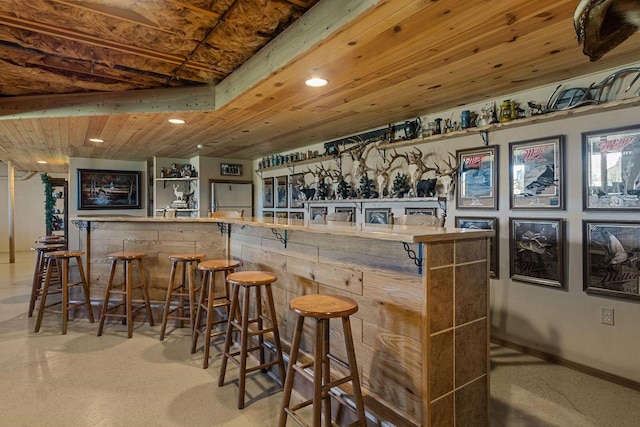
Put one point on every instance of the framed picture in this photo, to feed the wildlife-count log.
(536, 173)
(296, 197)
(537, 251)
(296, 215)
(281, 192)
(420, 211)
(485, 223)
(611, 263)
(230, 169)
(349, 210)
(108, 189)
(267, 214)
(377, 215)
(284, 215)
(267, 192)
(317, 213)
(478, 178)
(611, 169)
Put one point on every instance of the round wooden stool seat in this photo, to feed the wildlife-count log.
(126, 255)
(323, 306)
(187, 257)
(214, 303)
(251, 278)
(64, 254)
(218, 265)
(40, 272)
(125, 289)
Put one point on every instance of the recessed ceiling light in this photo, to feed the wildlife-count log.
(177, 121)
(42, 162)
(316, 82)
(96, 140)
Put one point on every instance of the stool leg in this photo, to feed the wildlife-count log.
(276, 333)
(65, 294)
(326, 372)
(167, 304)
(37, 281)
(183, 285)
(45, 291)
(317, 374)
(129, 294)
(145, 292)
(260, 326)
(85, 287)
(107, 296)
(209, 321)
(192, 293)
(197, 322)
(351, 355)
(227, 340)
(293, 358)
(244, 344)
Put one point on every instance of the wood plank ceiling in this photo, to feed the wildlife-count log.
(118, 69)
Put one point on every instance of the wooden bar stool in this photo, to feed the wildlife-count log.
(239, 320)
(126, 290)
(40, 271)
(186, 290)
(209, 302)
(322, 308)
(61, 258)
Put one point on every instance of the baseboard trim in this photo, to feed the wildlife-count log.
(568, 364)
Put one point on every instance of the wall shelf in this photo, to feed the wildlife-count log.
(298, 163)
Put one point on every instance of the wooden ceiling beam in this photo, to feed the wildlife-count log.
(119, 14)
(196, 9)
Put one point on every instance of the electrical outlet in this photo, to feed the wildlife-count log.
(606, 315)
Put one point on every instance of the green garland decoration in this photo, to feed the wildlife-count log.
(49, 202)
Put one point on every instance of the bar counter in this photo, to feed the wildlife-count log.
(421, 333)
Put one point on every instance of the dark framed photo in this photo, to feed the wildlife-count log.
(108, 189)
(267, 192)
(420, 211)
(281, 192)
(317, 213)
(231, 169)
(377, 215)
(478, 178)
(267, 214)
(349, 210)
(485, 223)
(611, 258)
(536, 173)
(611, 169)
(537, 251)
(296, 196)
(296, 215)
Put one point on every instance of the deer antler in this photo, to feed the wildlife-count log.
(308, 171)
(395, 156)
(451, 170)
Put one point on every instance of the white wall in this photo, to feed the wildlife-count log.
(29, 209)
(565, 323)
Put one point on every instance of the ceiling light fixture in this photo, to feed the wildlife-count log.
(177, 121)
(96, 140)
(316, 82)
(42, 162)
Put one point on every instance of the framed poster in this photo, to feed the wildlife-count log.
(537, 251)
(108, 189)
(296, 197)
(296, 215)
(420, 211)
(267, 214)
(377, 215)
(478, 178)
(283, 215)
(536, 173)
(267, 192)
(350, 210)
(484, 223)
(231, 169)
(611, 258)
(611, 169)
(318, 214)
(281, 192)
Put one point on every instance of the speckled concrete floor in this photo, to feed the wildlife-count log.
(84, 380)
